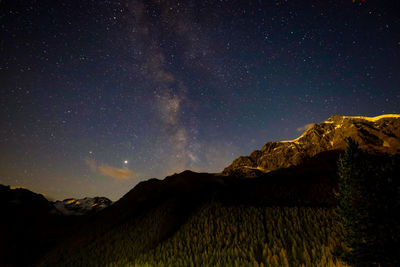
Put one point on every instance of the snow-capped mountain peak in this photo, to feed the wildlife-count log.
(87, 205)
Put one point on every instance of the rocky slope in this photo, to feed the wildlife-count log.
(87, 205)
(375, 134)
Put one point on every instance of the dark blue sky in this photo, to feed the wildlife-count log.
(98, 95)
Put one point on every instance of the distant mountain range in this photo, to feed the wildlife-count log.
(84, 206)
(296, 173)
(374, 134)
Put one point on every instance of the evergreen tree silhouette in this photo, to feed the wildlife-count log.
(369, 207)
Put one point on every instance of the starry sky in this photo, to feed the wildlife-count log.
(96, 96)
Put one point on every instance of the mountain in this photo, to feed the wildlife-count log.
(285, 217)
(159, 218)
(379, 134)
(84, 206)
(23, 202)
(29, 226)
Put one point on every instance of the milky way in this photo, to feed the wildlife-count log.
(97, 96)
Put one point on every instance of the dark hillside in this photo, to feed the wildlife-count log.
(160, 208)
(29, 226)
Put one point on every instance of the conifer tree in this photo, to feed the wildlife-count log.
(352, 205)
(369, 207)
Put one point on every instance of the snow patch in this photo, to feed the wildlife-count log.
(81, 206)
(296, 141)
(372, 119)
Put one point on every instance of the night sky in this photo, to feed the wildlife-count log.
(96, 96)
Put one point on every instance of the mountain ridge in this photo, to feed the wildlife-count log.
(83, 206)
(380, 134)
